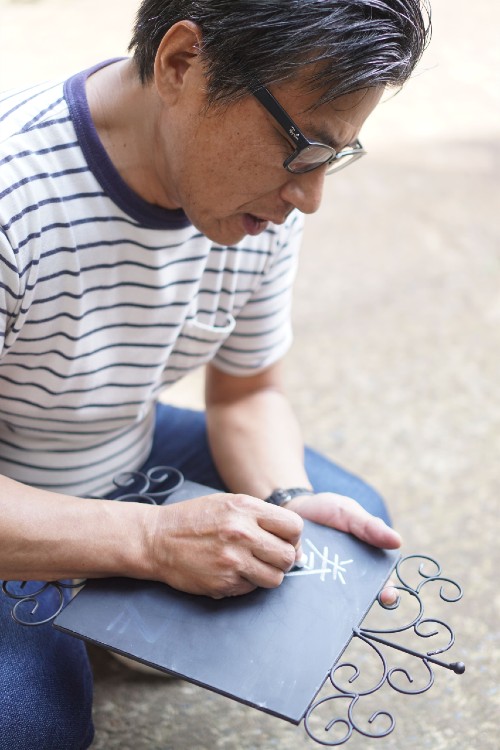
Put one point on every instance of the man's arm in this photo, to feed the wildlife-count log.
(257, 447)
(46, 536)
(219, 545)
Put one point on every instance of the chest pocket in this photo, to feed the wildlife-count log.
(198, 342)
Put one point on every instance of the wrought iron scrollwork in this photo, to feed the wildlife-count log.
(28, 602)
(142, 487)
(336, 728)
(152, 487)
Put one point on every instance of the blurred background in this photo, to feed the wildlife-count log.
(394, 368)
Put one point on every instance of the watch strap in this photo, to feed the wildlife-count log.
(282, 496)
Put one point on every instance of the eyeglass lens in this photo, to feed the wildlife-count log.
(343, 160)
(315, 156)
(310, 158)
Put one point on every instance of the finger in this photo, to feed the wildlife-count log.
(239, 588)
(299, 554)
(263, 575)
(281, 522)
(389, 594)
(274, 551)
(381, 535)
(348, 515)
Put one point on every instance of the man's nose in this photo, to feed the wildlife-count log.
(305, 191)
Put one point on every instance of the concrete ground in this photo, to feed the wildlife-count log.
(394, 370)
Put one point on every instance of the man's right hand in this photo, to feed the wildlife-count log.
(222, 545)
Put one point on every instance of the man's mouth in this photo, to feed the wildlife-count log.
(253, 225)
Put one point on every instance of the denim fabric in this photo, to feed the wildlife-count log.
(45, 682)
(180, 440)
(45, 677)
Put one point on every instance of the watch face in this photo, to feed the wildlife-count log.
(276, 497)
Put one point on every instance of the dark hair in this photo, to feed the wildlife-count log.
(355, 43)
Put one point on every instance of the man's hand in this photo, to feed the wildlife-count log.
(222, 545)
(345, 514)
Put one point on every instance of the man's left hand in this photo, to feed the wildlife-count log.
(345, 514)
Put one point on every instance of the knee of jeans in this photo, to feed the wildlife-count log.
(43, 725)
(45, 688)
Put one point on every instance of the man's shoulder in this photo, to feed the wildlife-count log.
(35, 133)
(27, 109)
(35, 138)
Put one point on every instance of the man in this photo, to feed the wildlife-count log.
(150, 212)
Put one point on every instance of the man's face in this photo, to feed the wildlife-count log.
(225, 165)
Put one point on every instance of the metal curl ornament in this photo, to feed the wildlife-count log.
(170, 478)
(376, 638)
(33, 599)
(145, 487)
(138, 487)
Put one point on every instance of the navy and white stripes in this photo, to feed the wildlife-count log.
(105, 299)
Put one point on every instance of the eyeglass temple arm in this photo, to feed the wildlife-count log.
(276, 110)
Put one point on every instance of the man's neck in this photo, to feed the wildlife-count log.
(125, 114)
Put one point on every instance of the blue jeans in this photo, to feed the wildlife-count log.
(45, 682)
(45, 676)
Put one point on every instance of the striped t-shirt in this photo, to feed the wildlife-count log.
(105, 299)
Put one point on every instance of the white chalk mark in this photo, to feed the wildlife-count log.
(335, 568)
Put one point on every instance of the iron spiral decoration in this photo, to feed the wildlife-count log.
(340, 725)
(28, 602)
(139, 487)
(155, 485)
(151, 487)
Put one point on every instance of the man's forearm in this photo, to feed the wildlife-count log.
(216, 545)
(47, 536)
(256, 443)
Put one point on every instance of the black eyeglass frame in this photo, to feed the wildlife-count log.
(272, 105)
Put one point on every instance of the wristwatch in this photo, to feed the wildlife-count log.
(281, 496)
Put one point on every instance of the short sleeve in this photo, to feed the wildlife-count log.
(10, 292)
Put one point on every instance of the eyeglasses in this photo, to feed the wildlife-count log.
(308, 155)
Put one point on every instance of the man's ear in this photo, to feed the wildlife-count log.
(177, 56)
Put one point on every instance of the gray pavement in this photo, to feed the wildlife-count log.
(393, 370)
